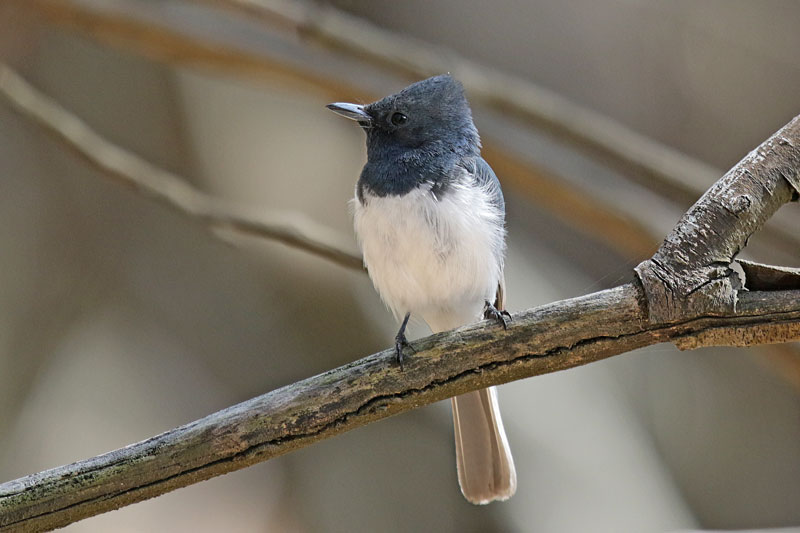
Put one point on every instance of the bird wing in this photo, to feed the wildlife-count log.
(485, 176)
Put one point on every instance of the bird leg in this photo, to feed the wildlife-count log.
(491, 312)
(401, 342)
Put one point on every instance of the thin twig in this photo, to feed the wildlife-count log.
(290, 228)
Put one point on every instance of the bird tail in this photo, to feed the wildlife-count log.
(485, 466)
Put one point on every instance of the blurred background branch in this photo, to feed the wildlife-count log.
(654, 166)
(162, 37)
(290, 228)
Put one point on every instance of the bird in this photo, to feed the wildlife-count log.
(429, 217)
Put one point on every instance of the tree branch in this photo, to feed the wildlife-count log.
(672, 173)
(542, 340)
(690, 274)
(154, 34)
(291, 228)
(546, 339)
(572, 204)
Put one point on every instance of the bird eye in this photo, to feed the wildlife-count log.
(398, 119)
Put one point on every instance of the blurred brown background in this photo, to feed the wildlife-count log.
(121, 318)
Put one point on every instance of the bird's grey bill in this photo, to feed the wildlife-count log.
(351, 111)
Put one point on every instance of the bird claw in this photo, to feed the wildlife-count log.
(492, 313)
(401, 342)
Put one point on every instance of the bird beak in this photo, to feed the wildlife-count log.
(351, 111)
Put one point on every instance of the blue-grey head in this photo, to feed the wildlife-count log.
(429, 112)
(415, 134)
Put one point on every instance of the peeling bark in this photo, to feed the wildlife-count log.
(760, 277)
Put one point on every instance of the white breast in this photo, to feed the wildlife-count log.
(440, 259)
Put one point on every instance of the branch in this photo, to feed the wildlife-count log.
(542, 340)
(155, 34)
(162, 42)
(676, 175)
(690, 274)
(653, 165)
(290, 228)
(545, 339)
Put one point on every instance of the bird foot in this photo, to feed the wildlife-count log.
(492, 313)
(401, 342)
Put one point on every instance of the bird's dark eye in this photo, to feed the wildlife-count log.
(398, 119)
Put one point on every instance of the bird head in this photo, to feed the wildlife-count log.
(429, 114)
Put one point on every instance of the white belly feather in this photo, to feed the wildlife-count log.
(440, 259)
